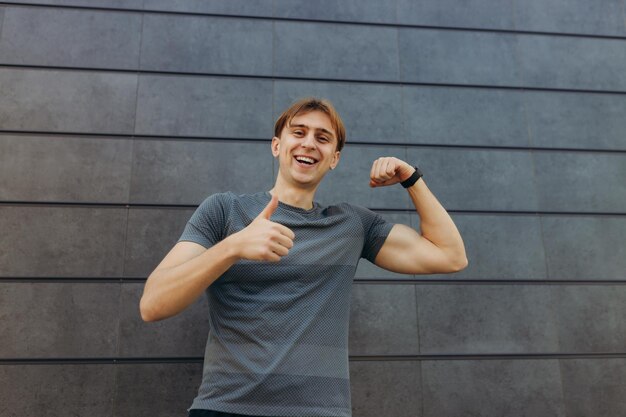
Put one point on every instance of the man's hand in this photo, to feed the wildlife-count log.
(264, 240)
(388, 170)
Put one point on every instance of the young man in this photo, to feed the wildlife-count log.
(278, 267)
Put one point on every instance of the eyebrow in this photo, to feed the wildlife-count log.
(319, 128)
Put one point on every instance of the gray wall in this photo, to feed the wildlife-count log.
(117, 119)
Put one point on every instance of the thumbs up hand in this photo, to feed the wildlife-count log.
(263, 239)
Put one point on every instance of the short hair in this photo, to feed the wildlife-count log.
(308, 104)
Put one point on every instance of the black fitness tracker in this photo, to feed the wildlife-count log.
(413, 178)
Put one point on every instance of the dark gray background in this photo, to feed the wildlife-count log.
(118, 117)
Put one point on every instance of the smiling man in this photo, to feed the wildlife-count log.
(278, 267)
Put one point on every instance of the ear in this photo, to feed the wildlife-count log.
(335, 160)
(275, 146)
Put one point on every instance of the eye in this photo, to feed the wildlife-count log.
(323, 138)
(297, 132)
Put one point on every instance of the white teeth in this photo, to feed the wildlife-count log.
(304, 158)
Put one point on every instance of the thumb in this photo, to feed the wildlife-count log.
(270, 208)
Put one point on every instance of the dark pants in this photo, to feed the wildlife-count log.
(211, 413)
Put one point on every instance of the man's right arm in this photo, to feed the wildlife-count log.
(189, 268)
(182, 276)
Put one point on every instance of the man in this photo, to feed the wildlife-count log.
(278, 267)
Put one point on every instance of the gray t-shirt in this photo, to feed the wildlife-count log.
(278, 336)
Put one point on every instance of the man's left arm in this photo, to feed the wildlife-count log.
(439, 249)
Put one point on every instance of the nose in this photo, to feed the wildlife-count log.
(309, 141)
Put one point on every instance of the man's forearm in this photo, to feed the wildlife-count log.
(436, 224)
(169, 291)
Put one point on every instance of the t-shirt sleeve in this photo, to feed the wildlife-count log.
(376, 230)
(207, 224)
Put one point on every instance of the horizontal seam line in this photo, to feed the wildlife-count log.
(17, 203)
(234, 140)
(199, 359)
(317, 79)
(362, 280)
(312, 20)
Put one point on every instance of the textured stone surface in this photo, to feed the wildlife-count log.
(458, 57)
(59, 320)
(203, 106)
(571, 16)
(511, 388)
(585, 248)
(186, 172)
(592, 318)
(458, 319)
(572, 62)
(61, 241)
(487, 14)
(343, 10)
(594, 387)
(581, 182)
(229, 7)
(385, 388)
(463, 116)
(60, 389)
(206, 44)
(576, 120)
(65, 168)
(329, 50)
(67, 101)
(383, 320)
(68, 38)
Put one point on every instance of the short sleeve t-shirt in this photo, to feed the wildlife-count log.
(278, 335)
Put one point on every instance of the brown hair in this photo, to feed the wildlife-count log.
(307, 104)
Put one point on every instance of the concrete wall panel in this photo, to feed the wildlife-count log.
(342, 10)
(458, 57)
(594, 387)
(511, 388)
(571, 16)
(572, 62)
(67, 101)
(66, 38)
(65, 168)
(581, 182)
(334, 51)
(386, 314)
(492, 14)
(186, 172)
(585, 247)
(57, 320)
(62, 241)
(385, 388)
(576, 120)
(463, 116)
(494, 319)
(206, 44)
(61, 390)
(203, 106)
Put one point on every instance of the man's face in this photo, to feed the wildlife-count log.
(307, 135)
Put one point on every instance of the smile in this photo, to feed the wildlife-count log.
(305, 162)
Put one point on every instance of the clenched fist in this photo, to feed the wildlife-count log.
(263, 239)
(388, 170)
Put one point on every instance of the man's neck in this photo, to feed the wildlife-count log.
(294, 196)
